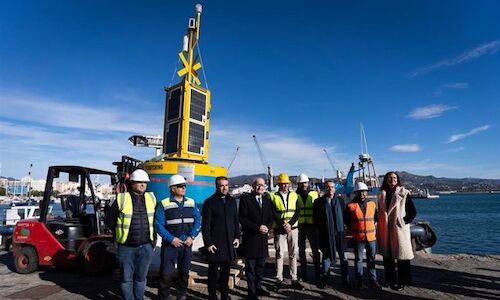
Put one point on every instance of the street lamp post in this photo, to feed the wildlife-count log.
(29, 183)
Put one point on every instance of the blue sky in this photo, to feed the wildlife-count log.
(77, 78)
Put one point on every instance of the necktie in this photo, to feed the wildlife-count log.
(260, 201)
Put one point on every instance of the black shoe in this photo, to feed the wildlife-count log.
(278, 285)
(263, 292)
(359, 284)
(297, 285)
(397, 287)
(303, 277)
(346, 285)
(321, 284)
(374, 284)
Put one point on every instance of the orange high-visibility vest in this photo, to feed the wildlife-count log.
(362, 227)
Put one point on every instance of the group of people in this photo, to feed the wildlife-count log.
(291, 216)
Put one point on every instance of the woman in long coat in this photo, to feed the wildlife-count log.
(396, 212)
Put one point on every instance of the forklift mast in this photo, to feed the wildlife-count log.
(124, 168)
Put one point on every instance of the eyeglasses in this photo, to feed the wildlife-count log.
(181, 186)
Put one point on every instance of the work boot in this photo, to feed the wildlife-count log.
(321, 284)
(397, 287)
(278, 285)
(374, 284)
(262, 292)
(297, 285)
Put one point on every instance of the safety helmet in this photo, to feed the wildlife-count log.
(360, 186)
(176, 179)
(302, 178)
(139, 175)
(283, 178)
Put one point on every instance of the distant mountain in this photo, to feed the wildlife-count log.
(8, 178)
(448, 184)
(244, 179)
(411, 181)
(248, 179)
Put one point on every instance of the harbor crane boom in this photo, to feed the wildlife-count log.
(234, 158)
(265, 164)
(335, 170)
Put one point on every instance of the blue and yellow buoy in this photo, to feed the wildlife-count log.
(200, 178)
(186, 127)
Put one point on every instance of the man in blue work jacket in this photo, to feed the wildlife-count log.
(178, 222)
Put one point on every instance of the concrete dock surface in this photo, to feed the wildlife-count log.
(435, 277)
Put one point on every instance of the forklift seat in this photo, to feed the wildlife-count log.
(77, 206)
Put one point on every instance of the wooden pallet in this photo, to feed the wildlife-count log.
(198, 275)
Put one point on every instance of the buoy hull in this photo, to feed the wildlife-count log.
(200, 178)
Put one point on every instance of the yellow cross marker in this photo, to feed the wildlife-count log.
(187, 68)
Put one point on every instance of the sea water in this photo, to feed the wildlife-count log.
(463, 222)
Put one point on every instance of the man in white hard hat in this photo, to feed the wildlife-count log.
(360, 217)
(307, 230)
(178, 222)
(131, 217)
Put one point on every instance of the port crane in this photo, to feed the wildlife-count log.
(335, 170)
(265, 163)
(234, 158)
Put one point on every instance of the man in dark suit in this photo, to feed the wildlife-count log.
(328, 214)
(221, 235)
(256, 218)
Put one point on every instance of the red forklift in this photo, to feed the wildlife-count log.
(81, 237)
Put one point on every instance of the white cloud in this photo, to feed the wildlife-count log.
(487, 48)
(68, 114)
(406, 148)
(429, 111)
(456, 137)
(25, 144)
(452, 85)
(454, 150)
(52, 131)
(284, 151)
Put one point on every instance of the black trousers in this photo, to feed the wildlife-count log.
(254, 271)
(218, 274)
(403, 273)
(169, 257)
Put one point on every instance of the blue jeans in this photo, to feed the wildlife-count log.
(371, 250)
(327, 261)
(134, 265)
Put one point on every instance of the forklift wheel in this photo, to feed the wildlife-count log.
(26, 260)
(96, 259)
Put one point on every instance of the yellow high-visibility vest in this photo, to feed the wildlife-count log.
(284, 212)
(126, 210)
(306, 207)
